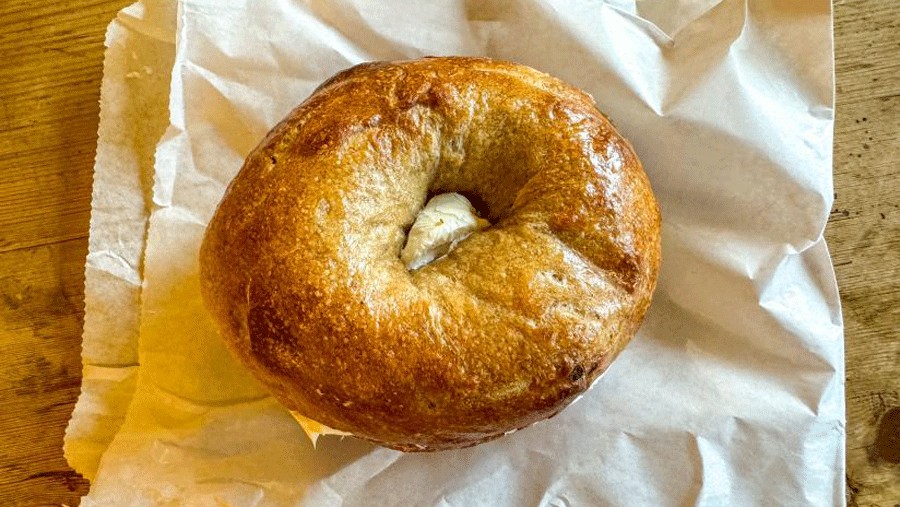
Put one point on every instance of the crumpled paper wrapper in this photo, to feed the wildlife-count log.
(731, 394)
(137, 73)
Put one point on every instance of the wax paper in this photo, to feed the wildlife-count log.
(732, 392)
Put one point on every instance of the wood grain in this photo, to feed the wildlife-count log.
(864, 237)
(50, 67)
(51, 56)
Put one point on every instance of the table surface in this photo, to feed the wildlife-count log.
(51, 56)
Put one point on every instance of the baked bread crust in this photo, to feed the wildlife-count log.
(300, 263)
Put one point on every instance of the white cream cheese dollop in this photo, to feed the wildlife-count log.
(445, 220)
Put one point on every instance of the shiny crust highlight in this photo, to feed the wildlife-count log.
(300, 264)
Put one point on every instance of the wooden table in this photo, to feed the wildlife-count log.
(51, 56)
(863, 234)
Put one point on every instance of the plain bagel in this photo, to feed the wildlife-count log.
(301, 269)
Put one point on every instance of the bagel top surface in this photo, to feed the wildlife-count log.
(301, 269)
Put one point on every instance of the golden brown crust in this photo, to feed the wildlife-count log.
(300, 265)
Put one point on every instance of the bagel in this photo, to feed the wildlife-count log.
(506, 324)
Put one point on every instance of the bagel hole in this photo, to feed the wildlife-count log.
(406, 229)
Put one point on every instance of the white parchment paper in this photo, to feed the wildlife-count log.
(138, 62)
(732, 393)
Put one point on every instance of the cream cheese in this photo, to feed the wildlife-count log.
(445, 220)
